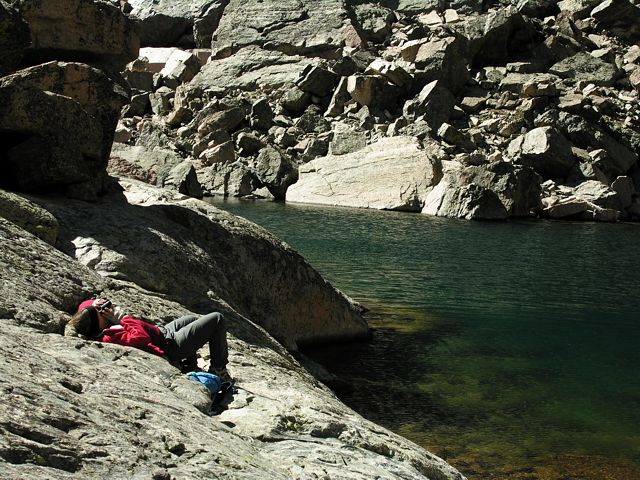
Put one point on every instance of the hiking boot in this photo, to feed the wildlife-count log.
(223, 373)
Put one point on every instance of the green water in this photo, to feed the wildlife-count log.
(510, 349)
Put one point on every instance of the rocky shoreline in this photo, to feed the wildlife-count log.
(469, 109)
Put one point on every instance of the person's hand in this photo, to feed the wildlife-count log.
(107, 312)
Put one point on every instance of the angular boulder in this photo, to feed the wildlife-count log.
(156, 166)
(275, 171)
(471, 202)
(166, 23)
(435, 102)
(443, 59)
(374, 21)
(391, 174)
(620, 17)
(586, 68)
(544, 149)
(79, 30)
(494, 36)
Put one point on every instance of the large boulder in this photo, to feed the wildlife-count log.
(99, 95)
(517, 186)
(495, 37)
(620, 17)
(586, 68)
(374, 21)
(79, 30)
(471, 202)
(442, 59)
(391, 174)
(57, 122)
(620, 156)
(275, 171)
(250, 68)
(166, 23)
(295, 27)
(434, 102)
(544, 149)
(14, 39)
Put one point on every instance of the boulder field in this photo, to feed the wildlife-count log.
(518, 106)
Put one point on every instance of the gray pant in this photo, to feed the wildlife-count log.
(191, 332)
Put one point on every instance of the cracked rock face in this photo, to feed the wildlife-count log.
(289, 26)
(80, 409)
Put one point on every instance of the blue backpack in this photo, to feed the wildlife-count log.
(219, 390)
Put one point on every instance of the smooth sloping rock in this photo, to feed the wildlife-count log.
(391, 174)
(251, 67)
(29, 216)
(295, 27)
(79, 30)
(60, 420)
(14, 39)
(229, 262)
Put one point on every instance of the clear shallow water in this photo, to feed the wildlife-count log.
(510, 349)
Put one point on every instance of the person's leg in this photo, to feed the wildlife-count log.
(177, 324)
(210, 328)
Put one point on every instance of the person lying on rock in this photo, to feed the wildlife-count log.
(178, 341)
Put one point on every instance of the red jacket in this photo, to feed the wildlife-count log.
(132, 333)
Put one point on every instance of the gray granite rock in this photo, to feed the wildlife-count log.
(252, 67)
(586, 68)
(14, 40)
(391, 174)
(294, 27)
(94, 410)
(275, 171)
(93, 31)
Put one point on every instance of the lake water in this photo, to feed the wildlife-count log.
(510, 349)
